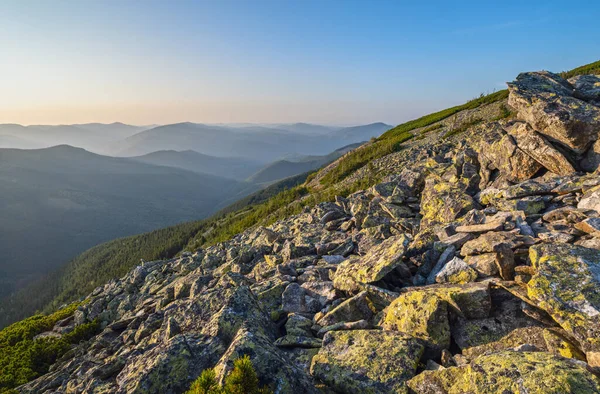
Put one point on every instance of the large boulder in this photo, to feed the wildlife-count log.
(444, 201)
(546, 102)
(510, 372)
(170, 368)
(567, 286)
(536, 146)
(272, 366)
(498, 152)
(367, 361)
(378, 262)
(424, 312)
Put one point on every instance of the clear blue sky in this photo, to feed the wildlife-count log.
(275, 61)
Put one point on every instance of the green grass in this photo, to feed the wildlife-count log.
(359, 157)
(462, 128)
(592, 68)
(23, 358)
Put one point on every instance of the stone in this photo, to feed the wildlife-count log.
(291, 341)
(332, 215)
(458, 240)
(509, 372)
(353, 325)
(586, 87)
(554, 112)
(298, 325)
(444, 258)
(567, 286)
(443, 202)
(272, 366)
(590, 200)
(358, 307)
(323, 292)
(421, 314)
(481, 228)
(536, 146)
(456, 271)
(591, 161)
(367, 361)
(169, 368)
(378, 262)
(484, 264)
(498, 151)
(590, 226)
(491, 242)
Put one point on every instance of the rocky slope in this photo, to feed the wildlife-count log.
(473, 269)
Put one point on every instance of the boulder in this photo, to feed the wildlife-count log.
(587, 87)
(378, 262)
(536, 146)
(273, 368)
(499, 152)
(567, 286)
(509, 372)
(545, 101)
(590, 200)
(443, 202)
(456, 271)
(422, 314)
(367, 361)
(358, 307)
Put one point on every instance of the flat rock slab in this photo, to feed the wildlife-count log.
(567, 286)
(378, 262)
(481, 228)
(590, 226)
(510, 372)
(367, 361)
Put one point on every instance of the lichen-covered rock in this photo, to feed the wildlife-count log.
(586, 87)
(421, 314)
(536, 146)
(545, 101)
(272, 367)
(499, 152)
(367, 361)
(491, 242)
(567, 286)
(169, 369)
(590, 200)
(377, 263)
(510, 372)
(358, 307)
(456, 271)
(443, 201)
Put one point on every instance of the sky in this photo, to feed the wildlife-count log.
(262, 61)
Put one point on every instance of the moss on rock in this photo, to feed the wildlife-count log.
(367, 361)
(510, 372)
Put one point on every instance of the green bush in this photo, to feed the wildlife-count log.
(23, 358)
(592, 68)
(241, 380)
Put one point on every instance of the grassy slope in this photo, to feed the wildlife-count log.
(263, 208)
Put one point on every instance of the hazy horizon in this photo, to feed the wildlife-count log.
(335, 62)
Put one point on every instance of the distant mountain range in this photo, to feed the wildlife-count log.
(91, 136)
(257, 143)
(57, 202)
(226, 167)
(286, 168)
